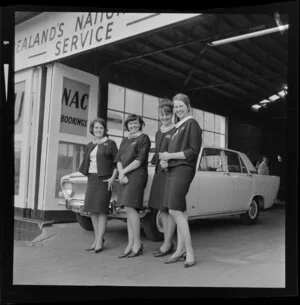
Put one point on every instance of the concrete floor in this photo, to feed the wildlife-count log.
(229, 254)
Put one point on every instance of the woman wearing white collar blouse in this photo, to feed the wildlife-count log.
(181, 157)
(132, 164)
(98, 165)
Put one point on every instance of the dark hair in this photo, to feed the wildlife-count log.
(134, 117)
(182, 97)
(100, 121)
(166, 105)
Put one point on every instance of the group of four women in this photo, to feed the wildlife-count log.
(176, 151)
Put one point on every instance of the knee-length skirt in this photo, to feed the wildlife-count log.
(132, 193)
(156, 197)
(97, 196)
(177, 185)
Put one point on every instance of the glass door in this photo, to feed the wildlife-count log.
(71, 99)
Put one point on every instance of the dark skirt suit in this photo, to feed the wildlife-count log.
(132, 193)
(187, 138)
(97, 195)
(156, 197)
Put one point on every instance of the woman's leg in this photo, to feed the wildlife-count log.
(136, 228)
(129, 230)
(169, 229)
(102, 222)
(184, 237)
(94, 218)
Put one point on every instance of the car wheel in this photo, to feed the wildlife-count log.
(85, 222)
(251, 216)
(152, 226)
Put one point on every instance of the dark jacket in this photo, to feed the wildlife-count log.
(105, 158)
(187, 138)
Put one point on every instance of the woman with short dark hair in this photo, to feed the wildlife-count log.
(98, 165)
(132, 164)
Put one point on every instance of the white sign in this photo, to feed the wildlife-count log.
(50, 36)
(74, 108)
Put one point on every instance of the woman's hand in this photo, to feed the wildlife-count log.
(165, 156)
(110, 182)
(124, 180)
(164, 164)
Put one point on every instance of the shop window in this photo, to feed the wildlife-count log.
(150, 108)
(17, 166)
(70, 156)
(19, 106)
(150, 128)
(198, 116)
(220, 124)
(115, 123)
(208, 121)
(116, 97)
(133, 102)
(208, 138)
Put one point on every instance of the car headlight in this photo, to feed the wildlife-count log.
(68, 188)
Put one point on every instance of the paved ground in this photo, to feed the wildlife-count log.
(229, 254)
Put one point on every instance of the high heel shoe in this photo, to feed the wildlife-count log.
(124, 254)
(100, 249)
(176, 258)
(160, 253)
(190, 264)
(139, 252)
(90, 249)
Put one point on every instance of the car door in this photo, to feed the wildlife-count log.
(215, 186)
(242, 181)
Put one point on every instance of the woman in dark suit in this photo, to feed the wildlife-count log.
(132, 164)
(182, 155)
(98, 165)
(162, 139)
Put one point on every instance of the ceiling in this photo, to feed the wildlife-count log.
(229, 76)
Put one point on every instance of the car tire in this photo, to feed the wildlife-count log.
(152, 226)
(251, 216)
(85, 222)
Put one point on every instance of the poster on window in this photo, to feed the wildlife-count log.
(74, 108)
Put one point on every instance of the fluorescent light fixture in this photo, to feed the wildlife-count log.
(256, 107)
(285, 87)
(264, 102)
(274, 97)
(282, 93)
(249, 35)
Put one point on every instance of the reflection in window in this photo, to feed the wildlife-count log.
(116, 97)
(70, 156)
(133, 102)
(17, 166)
(115, 123)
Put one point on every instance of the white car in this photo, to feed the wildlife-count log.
(225, 183)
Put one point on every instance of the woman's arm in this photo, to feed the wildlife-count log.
(132, 166)
(168, 156)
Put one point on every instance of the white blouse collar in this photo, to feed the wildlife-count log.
(164, 129)
(101, 141)
(135, 135)
(183, 121)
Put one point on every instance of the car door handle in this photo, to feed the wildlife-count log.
(226, 173)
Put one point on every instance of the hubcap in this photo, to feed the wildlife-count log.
(159, 223)
(253, 210)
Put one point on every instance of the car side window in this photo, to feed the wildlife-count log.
(233, 162)
(244, 169)
(211, 160)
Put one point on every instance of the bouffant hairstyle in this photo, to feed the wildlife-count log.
(182, 97)
(166, 106)
(134, 117)
(100, 121)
